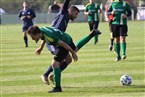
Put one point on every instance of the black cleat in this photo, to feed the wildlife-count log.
(95, 32)
(55, 89)
(110, 47)
(98, 32)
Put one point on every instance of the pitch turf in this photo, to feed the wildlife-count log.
(94, 75)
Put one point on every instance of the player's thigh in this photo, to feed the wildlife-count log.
(115, 30)
(96, 24)
(61, 54)
(123, 30)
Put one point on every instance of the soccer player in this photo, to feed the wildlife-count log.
(64, 44)
(92, 11)
(60, 22)
(26, 15)
(110, 18)
(120, 10)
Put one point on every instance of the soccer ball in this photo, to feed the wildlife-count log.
(125, 80)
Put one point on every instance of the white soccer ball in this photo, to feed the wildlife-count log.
(126, 80)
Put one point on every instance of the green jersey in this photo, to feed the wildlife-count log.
(119, 8)
(93, 9)
(53, 36)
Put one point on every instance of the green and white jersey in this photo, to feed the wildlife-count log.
(119, 8)
(93, 9)
(53, 36)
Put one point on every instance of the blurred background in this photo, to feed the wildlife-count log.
(9, 10)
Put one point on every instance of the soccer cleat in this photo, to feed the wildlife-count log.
(98, 32)
(95, 32)
(118, 59)
(45, 79)
(55, 89)
(124, 57)
(51, 78)
(110, 47)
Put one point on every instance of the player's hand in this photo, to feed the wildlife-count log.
(38, 51)
(75, 57)
(23, 17)
(124, 16)
(29, 17)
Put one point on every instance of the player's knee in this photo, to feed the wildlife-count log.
(68, 59)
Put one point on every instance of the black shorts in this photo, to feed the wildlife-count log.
(119, 30)
(93, 25)
(61, 52)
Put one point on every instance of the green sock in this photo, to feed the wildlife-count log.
(82, 42)
(123, 48)
(117, 49)
(56, 77)
(95, 39)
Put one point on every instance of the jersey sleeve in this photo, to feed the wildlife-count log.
(65, 6)
(33, 15)
(86, 9)
(20, 14)
(129, 13)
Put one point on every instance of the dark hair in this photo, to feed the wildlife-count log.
(75, 8)
(26, 1)
(33, 30)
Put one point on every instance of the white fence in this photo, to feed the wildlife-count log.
(47, 18)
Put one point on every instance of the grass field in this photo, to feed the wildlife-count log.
(94, 75)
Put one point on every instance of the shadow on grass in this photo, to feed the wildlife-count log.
(107, 89)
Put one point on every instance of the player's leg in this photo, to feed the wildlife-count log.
(117, 48)
(95, 26)
(111, 37)
(53, 51)
(56, 77)
(86, 39)
(116, 34)
(25, 38)
(124, 31)
(60, 55)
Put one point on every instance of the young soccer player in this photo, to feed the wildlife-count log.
(26, 15)
(60, 22)
(92, 11)
(120, 10)
(64, 43)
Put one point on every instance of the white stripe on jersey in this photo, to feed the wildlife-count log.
(48, 29)
(59, 21)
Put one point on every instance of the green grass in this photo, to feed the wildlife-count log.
(94, 75)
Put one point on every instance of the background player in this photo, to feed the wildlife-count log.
(26, 15)
(120, 10)
(92, 11)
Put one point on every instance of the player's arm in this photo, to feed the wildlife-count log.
(32, 15)
(20, 16)
(129, 13)
(99, 10)
(86, 11)
(38, 50)
(68, 48)
(110, 11)
(65, 5)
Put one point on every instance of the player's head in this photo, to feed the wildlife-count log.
(25, 4)
(73, 12)
(35, 33)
